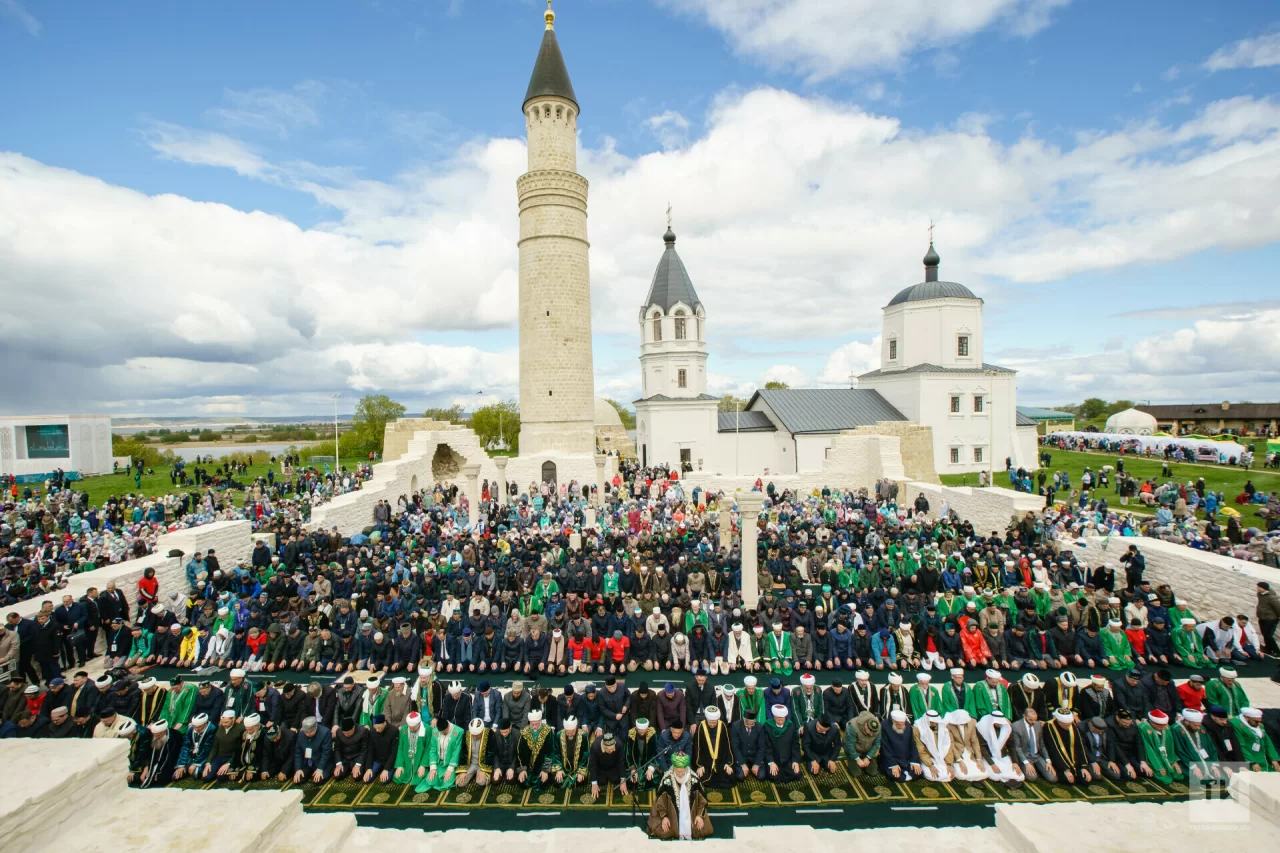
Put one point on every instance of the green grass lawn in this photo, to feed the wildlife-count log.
(1219, 478)
(155, 485)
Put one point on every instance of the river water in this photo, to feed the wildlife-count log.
(191, 451)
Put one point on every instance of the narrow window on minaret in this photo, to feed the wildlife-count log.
(680, 326)
(657, 328)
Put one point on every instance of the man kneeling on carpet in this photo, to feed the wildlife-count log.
(679, 805)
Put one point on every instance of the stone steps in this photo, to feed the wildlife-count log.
(313, 833)
(48, 779)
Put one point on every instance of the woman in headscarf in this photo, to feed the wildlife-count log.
(862, 744)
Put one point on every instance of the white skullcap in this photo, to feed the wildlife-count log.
(1114, 623)
(1064, 715)
(737, 626)
(642, 724)
(923, 677)
(377, 635)
(1192, 716)
(1113, 600)
(31, 689)
(1098, 678)
(424, 671)
(712, 713)
(199, 719)
(399, 679)
(1068, 678)
(758, 629)
(1187, 620)
(807, 679)
(159, 727)
(657, 611)
(749, 681)
(992, 673)
(228, 714)
(777, 626)
(147, 683)
(898, 715)
(476, 727)
(373, 682)
(535, 716)
(1226, 672)
(455, 687)
(127, 728)
(570, 723)
(895, 678)
(237, 673)
(222, 611)
(102, 682)
(1251, 713)
(252, 720)
(1031, 681)
(778, 710)
(957, 670)
(158, 609)
(862, 675)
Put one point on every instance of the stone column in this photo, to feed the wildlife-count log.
(501, 462)
(749, 504)
(472, 473)
(726, 525)
(601, 459)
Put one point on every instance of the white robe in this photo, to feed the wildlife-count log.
(740, 647)
(938, 743)
(965, 767)
(996, 735)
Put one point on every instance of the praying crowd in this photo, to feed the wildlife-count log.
(429, 652)
(48, 535)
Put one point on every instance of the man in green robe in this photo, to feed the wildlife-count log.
(372, 701)
(777, 647)
(1226, 691)
(1159, 753)
(751, 699)
(1116, 648)
(807, 703)
(1256, 747)
(411, 756)
(1194, 748)
(443, 750)
(1188, 647)
(543, 590)
(178, 704)
(923, 697)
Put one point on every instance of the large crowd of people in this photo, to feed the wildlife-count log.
(51, 531)
(429, 652)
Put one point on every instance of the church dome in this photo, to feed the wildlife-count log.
(671, 283)
(932, 290)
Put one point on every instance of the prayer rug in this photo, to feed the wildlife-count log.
(310, 791)
(1024, 793)
(924, 791)
(271, 784)
(464, 797)
(836, 787)
(876, 789)
(505, 795)
(1137, 789)
(752, 792)
(796, 793)
(977, 792)
(190, 783)
(338, 794)
(580, 798)
(378, 794)
(645, 799)
(545, 798)
(1057, 792)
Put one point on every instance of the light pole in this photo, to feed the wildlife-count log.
(337, 456)
(991, 430)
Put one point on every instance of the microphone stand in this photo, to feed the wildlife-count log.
(640, 774)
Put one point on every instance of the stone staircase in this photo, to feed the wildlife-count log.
(60, 792)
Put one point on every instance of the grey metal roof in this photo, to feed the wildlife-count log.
(550, 77)
(1037, 414)
(804, 410)
(663, 398)
(932, 290)
(744, 422)
(671, 282)
(1023, 420)
(934, 368)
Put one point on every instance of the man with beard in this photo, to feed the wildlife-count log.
(864, 695)
(249, 762)
(278, 752)
(534, 752)
(679, 806)
(1096, 700)
(782, 745)
(1217, 725)
(821, 745)
(506, 746)
(642, 749)
(1128, 743)
(607, 765)
(197, 744)
(157, 757)
(713, 759)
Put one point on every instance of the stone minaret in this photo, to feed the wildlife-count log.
(557, 389)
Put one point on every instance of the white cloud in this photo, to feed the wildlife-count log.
(272, 110)
(787, 373)
(1260, 52)
(824, 38)
(797, 217)
(670, 128)
(14, 9)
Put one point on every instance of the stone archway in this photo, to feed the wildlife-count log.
(446, 463)
(549, 472)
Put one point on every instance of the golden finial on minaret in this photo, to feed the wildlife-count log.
(550, 16)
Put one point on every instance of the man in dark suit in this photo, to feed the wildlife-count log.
(1029, 748)
(746, 738)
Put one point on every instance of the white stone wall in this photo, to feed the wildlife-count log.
(88, 437)
(1211, 584)
(232, 540)
(927, 331)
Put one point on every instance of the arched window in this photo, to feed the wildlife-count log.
(657, 327)
(680, 335)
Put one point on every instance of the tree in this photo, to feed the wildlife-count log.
(628, 417)
(1094, 407)
(451, 415)
(209, 435)
(730, 403)
(371, 416)
(497, 423)
(1119, 406)
(775, 385)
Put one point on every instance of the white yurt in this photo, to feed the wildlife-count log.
(1131, 422)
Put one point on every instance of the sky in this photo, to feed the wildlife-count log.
(242, 208)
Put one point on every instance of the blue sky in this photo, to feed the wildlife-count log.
(278, 201)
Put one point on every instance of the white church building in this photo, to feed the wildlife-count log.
(932, 374)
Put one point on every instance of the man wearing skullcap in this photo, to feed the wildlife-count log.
(475, 766)
(1256, 746)
(899, 755)
(179, 701)
(679, 808)
(820, 743)
(312, 752)
(1159, 754)
(197, 744)
(1066, 749)
(1195, 749)
(1096, 699)
(156, 757)
(713, 758)
(862, 744)
(782, 745)
(1225, 690)
(1116, 648)
(989, 695)
(777, 650)
(922, 697)
(1028, 692)
(569, 755)
(642, 748)
(249, 763)
(607, 765)
(534, 752)
(807, 703)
